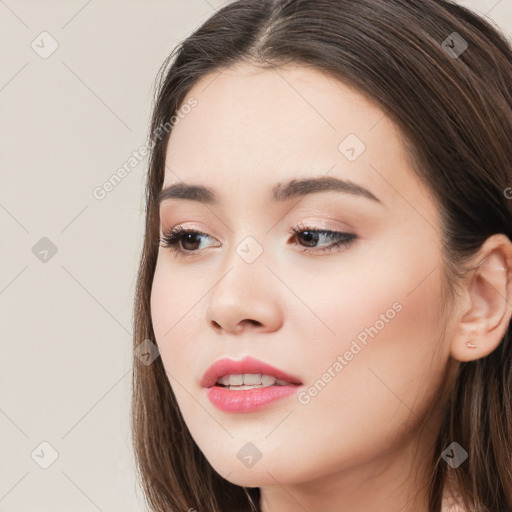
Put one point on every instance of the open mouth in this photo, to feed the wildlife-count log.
(250, 381)
(245, 374)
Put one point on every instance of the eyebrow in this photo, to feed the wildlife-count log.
(280, 193)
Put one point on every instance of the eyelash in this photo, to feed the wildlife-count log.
(172, 238)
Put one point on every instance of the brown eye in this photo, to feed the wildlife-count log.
(311, 238)
(182, 241)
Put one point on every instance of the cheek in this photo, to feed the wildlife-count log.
(375, 377)
(175, 312)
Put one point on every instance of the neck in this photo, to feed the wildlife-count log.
(391, 482)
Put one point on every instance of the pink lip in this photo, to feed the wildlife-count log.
(245, 400)
(247, 365)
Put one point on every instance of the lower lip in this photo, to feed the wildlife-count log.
(247, 400)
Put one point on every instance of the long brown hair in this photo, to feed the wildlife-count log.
(453, 106)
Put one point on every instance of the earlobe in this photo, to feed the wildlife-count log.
(486, 312)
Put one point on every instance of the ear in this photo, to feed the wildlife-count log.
(486, 305)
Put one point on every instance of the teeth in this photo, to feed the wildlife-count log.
(245, 387)
(250, 380)
(268, 380)
(235, 380)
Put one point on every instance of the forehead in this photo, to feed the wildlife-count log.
(254, 128)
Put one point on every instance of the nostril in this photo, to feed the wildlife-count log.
(240, 324)
(253, 322)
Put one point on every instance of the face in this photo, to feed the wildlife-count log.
(358, 322)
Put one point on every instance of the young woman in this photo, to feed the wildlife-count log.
(327, 263)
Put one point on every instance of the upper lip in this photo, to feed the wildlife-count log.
(248, 364)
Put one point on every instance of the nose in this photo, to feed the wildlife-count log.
(245, 298)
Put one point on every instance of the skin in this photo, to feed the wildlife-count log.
(363, 442)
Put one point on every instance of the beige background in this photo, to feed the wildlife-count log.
(68, 122)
